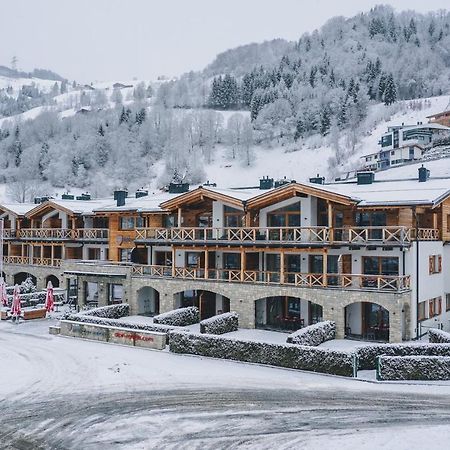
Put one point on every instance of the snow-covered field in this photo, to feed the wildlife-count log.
(64, 393)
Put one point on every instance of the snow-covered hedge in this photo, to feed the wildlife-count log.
(438, 336)
(367, 354)
(282, 355)
(313, 335)
(34, 298)
(220, 324)
(109, 312)
(179, 317)
(413, 368)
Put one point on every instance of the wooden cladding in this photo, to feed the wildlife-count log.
(434, 264)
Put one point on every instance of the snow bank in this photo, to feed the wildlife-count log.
(109, 312)
(281, 355)
(438, 336)
(413, 368)
(314, 335)
(179, 317)
(220, 324)
(367, 354)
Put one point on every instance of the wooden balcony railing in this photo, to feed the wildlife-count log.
(390, 283)
(8, 233)
(286, 235)
(27, 261)
(57, 234)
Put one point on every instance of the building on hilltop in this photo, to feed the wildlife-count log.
(372, 255)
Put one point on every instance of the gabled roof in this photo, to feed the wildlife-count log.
(293, 189)
(17, 209)
(70, 207)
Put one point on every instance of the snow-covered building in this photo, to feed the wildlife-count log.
(370, 254)
(404, 143)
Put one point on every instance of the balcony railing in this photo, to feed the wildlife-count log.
(289, 235)
(390, 283)
(62, 234)
(28, 261)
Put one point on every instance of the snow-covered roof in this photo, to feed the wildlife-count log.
(433, 126)
(149, 203)
(19, 209)
(394, 192)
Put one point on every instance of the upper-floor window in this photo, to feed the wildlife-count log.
(125, 254)
(386, 141)
(233, 217)
(380, 265)
(130, 223)
(422, 313)
(434, 264)
(287, 216)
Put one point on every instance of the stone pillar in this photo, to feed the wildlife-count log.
(166, 301)
(81, 295)
(102, 293)
(40, 283)
(395, 324)
(336, 314)
(245, 309)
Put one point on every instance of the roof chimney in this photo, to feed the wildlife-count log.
(266, 183)
(365, 177)
(317, 179)
(141, 193)
(120, 196)
(424, 174)
(178, 188)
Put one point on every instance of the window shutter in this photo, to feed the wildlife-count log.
(430, 264)
(439, 306)
(431, 308)
(439, 264)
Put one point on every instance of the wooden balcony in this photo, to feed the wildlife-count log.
(288, 235)
(8, 233)
(62, 234)
(389, 283)
(27, 261)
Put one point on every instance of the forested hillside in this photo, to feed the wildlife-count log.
(320, 91)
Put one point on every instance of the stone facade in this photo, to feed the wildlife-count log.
(40, 272)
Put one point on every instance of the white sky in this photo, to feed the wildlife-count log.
(90, 40)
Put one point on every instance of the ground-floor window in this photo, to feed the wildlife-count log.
(367, 320)
(91, 293)
(115, 293)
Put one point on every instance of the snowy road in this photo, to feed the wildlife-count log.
(60, 393)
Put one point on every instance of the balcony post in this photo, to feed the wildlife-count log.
(52, 255)
(325, 268)
(173, 261)
(206, 264)
(282, 267)
(242, 263)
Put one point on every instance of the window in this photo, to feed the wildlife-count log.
(393, 152)
(125, 254)
(233, 218)
(192, 259)
(93, 254)
(130, 223)
(91, 292)
(386, 141)
(380, 265)
(232, 260)
(288, 216)
(434, 307)
(115, 293)
(422, 311)
(447, 302)
(434, 264)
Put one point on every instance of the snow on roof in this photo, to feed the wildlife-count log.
(20, 209)
(394, 192)
(434, 126)
(83, 207)
(148, 203)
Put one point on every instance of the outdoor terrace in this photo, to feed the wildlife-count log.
(58, 234)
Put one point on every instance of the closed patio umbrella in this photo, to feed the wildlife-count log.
(49, 299)
(15, 307)
(3, 296)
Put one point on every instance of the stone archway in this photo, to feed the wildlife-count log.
(20, 277)
(368, 321)
(54, 280)
(147, 301)
(208, 302)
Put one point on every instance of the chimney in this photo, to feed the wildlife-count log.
(120, 196)
(68, 196)
(84, 196)
(424, 174)
(141, 193)
(365, 177)
(317, 179)
(178, 188)
(266, 183)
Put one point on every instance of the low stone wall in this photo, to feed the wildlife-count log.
(413, 368)
(116, 335)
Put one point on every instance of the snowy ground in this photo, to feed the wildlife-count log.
(59, 392)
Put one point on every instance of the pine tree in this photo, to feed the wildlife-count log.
(325, 120)
(390, 91)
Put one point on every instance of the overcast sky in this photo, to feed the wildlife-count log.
(91, 40)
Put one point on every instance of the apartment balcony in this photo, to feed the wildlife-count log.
(383, 283)
(294, 236)
(28, 261)
(58, 234)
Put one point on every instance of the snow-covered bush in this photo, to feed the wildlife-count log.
(438, 336)
(32, 299)
(220, 324)
(413, 368)
(313, 335)
(109, 312)
(27, 286)
(179, 317)
(282, 355)
(367, 354)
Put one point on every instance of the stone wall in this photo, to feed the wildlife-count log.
(40, 272)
